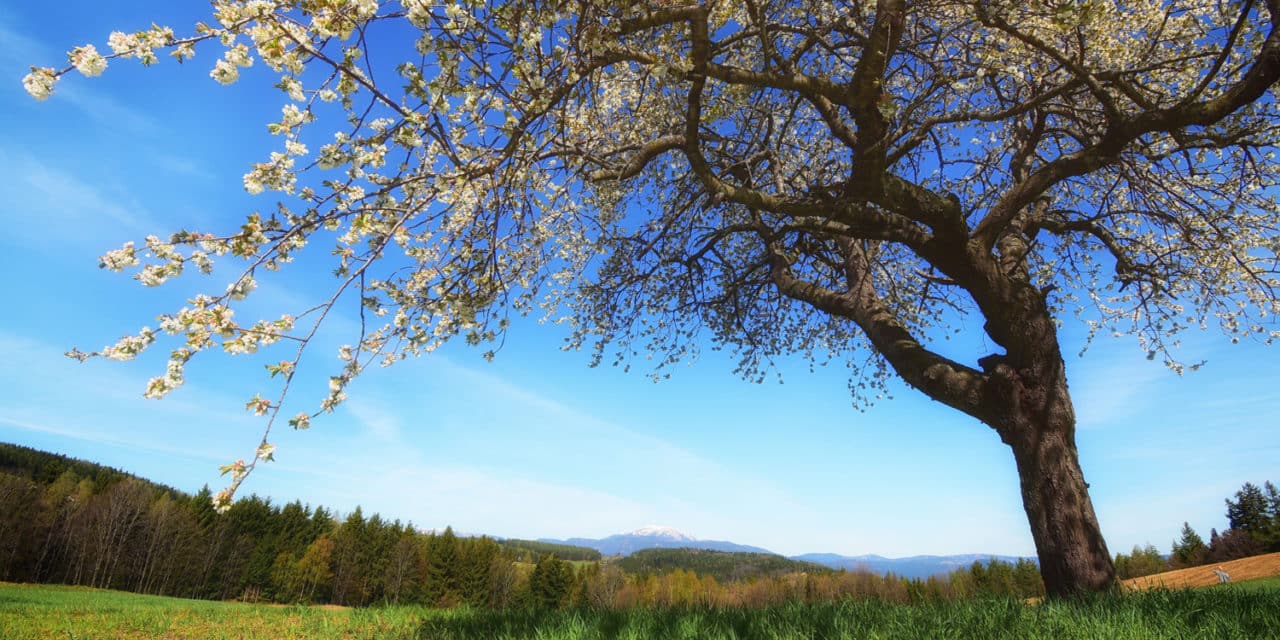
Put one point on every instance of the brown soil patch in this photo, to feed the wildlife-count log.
(1263, 566)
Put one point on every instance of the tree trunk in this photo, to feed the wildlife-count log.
(1029, 405)
(1073, 554)
(1038, 423)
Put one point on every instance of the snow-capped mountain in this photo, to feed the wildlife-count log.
(653, 537)
(662, 532)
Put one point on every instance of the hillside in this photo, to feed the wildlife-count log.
(1263, 566)
(43, 468)
(537, 548)
(724, 566)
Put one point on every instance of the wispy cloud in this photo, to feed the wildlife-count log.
(378, 422)
(18, 52)
(479, 500)
(41, 197)
(95, 435)
(674, 482)
(109, 112)
(1108, 389)
(46, 374)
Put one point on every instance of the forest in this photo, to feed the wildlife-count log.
(69, 521)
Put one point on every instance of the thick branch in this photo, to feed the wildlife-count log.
(866, 91)
(940, 378)
(1264, 73)
(637, 162)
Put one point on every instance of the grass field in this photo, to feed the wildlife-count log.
(1242, 611)
(46, 612)
(1261, 584)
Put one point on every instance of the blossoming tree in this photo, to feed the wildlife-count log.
(836, 179)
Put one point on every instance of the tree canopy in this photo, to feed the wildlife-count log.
(839, 180)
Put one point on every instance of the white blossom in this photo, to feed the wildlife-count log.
(39, 83)
(87, 60)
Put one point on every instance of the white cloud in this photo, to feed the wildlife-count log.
(383, 425)
(95, 435)
(1112, 387)
(41, 197)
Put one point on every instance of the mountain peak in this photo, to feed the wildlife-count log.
(662, 532)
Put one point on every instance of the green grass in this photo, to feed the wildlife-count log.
(1224, 614)
(1236, 612)
(46, 612)
(1261, 584)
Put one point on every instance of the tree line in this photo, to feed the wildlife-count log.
(73, 522)
(1253, 518)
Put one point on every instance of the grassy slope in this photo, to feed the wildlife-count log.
(1264, 566)
(45, 612)
(40, 612)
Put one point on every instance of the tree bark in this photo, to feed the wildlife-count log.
(1073, 554)
(1034, 415)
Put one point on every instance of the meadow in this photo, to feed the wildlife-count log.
(1246, 610)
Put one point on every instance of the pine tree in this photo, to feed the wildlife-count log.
(1249, 511)
(473, 578)
(1273, 513)
(1190, 549)
(550, 582)
(441, 586)
(202, 506)
(348, 574)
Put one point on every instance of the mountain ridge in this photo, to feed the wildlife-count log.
(660, 537)
(919, 566)
(654, 537)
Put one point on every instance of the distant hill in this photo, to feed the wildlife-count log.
(910, 567)
(43, 468)
(724, 566)
(625, 544)
(653, 537)
(562, 551)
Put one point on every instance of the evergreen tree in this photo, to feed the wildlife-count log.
(441, 587)
(348, 574)
(550, 582)
(473, 578)
(1190, 549)
(202, 506)
(1249, 511)
(1273, 513)
(1026, 579)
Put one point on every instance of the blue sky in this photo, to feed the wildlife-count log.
(535, 444)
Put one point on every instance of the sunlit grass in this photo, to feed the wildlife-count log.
(1261, 584)
(1247, 610)
(42, 612)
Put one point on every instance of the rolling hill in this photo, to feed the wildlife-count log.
(724, 566)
